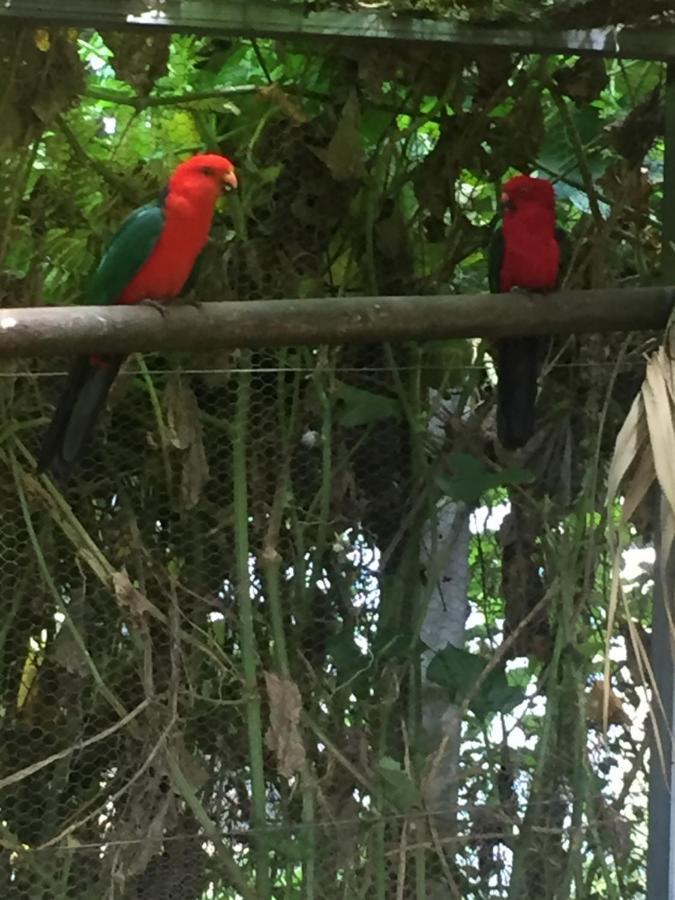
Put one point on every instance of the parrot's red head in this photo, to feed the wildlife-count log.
(204, 176)
(523, 190)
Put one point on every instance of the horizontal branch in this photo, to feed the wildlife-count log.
(139, 103)
(277, 323)
(272, 18)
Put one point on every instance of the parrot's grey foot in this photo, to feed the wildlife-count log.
(520, 290)
(155, 304)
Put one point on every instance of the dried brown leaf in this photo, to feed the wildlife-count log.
(635, 507)
(643, 452)
(283, 736)
(180, 418)
(153, 833)
(68, 653)
(191, 766)
(630, 442)
(289, 106)
(51, 77)
(595, 698)
(129, 596)
(584, 81)
(195, 473)
(185, 433)
(138, 58)
(667, 528)
(615, 827)
(661, 421)
(344, 153)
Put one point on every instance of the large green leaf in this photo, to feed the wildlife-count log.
(458, 670)
(466, 478)
(356, 407)
(397, 785)
(351, 664)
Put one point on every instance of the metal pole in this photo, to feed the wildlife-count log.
(661, 810)
(661, 846)
(668, 210)
(278, 19)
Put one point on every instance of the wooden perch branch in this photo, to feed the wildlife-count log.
(278, 323)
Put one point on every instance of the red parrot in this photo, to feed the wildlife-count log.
(149, 258)
(525, 253)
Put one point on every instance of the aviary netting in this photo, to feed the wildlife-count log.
(215, 665)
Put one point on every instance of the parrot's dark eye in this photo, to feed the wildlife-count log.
(207, 171)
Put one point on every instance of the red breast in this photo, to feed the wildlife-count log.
(193, 190)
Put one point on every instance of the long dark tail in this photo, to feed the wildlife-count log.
(83, 397)
(517, 369)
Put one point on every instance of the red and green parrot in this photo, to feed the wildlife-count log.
(525, 253)
(150, 258)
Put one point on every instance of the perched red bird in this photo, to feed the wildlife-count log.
(150, 258)
(525, 253)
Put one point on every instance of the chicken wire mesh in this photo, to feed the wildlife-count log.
(227, 659)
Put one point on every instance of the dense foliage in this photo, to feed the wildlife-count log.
(561, 13)
(217, 627)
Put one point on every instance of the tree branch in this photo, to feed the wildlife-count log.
(140, 103)
(329, 320)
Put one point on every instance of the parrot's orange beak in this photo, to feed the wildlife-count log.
(229, 181)
(507, 203)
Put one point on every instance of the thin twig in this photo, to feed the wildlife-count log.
(119, 185)
(490, 667)
(185, 789)
(139, 103)
(261, 60)
(107, 803)
(577, 143)
(74, 748)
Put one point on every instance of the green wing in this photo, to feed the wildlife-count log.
(495, 256)
(126, 253)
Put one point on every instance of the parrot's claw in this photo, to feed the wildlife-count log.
(516, 289)
(155, 304)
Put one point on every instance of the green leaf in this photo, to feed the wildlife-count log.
(344, 652)
(217, 630)
(396, 643)
(522, 676)
(344, 153)
(351, 664)
(358, 407)
(458, 670)
(373, 125)
(496, 695)
(438, 358)
(398, 787)
(469, 478)
(580, 199)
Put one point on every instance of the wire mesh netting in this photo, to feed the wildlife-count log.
(263, 526)
(298, 627)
